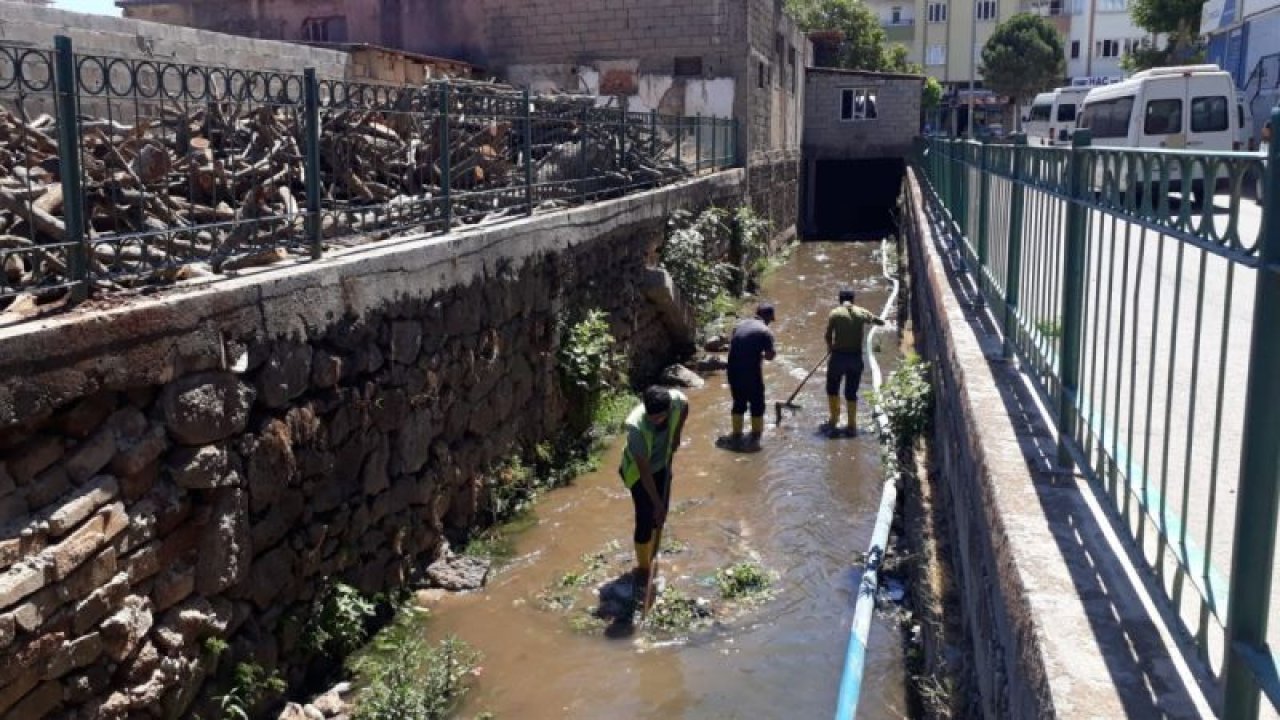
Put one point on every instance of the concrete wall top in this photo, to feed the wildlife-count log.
(48, 364)
(34, 26)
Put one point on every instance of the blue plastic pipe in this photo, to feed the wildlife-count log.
(855, 658)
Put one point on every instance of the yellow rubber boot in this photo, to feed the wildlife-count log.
(833, 404)
(853, 416)
(644, 556)
(757, 426)
(737, 425)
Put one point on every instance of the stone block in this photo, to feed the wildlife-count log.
(205, 408)
(91, 576)
(87, 415)
(202, 468)
(285, 375)
(269, 575)
(35, 456)
(279, 520)
(84, 501)
(100, 603)
(91, 456)
(123, 631)
(140, 483)
(76, 654)
(21, 581)
(16, 689)
(326, 369)
(140, 453)
(40, 703)
(48, 486)
(143, 563)
(77, 547)
(226, 549)
(173, 586)
(406, 339)
(8, 629)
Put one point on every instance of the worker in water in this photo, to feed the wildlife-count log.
(750, 345)
(844, 339)
(653, 430)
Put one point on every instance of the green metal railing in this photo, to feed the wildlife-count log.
(1139, 290)
(121, 171)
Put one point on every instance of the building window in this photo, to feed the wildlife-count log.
(987, 9)
(895, 15)
(937, 12)
(325, 29)
(688, 66)
(857, 104)
(1075, 49)
(761, 81)
(1113, 5)
(1107, 48)
(936, 55)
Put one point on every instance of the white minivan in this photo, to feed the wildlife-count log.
(1052, 117)
(1189, 107)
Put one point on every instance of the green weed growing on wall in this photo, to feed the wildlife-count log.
(906, 397)
(337, 623)
(404, 677)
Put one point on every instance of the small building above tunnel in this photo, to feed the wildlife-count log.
(858, 131)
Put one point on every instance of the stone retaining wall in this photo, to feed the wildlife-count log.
(194, 465)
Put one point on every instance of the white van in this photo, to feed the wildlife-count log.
(1244, 126)
(1178, 108)
(1052, 117)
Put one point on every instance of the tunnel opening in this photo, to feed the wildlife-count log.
(852, 199)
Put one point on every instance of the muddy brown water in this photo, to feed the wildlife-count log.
(803, 508)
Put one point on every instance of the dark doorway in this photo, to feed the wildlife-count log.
(854, 199)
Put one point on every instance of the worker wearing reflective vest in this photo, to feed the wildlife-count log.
(653, 435)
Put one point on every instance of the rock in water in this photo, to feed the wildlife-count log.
(717, 344)
(681, 376)
(458, 572)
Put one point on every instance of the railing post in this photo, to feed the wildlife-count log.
(697, 144)
(984, 195)
(311, 125)
(1013, 283)
(446, 161)
(1259, 493)
(958, 173)
(622, 134)
(528, 152)
(1073, 281)
(733, 136)
(583, 166)
(715, 130)
(69, 167)
(679, 141)
(653, 134)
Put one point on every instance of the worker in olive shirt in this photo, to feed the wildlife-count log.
(653, 436)
(844, 340)
(750, 345)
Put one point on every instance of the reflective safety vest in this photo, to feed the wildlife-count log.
(635, 423)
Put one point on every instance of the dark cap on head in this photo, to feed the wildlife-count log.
(657, 400)
(764, 311)
(846, 294)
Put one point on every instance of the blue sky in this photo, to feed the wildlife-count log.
(98, 7)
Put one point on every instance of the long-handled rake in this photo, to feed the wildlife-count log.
(790, 404)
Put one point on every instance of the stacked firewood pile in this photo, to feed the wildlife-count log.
(192, 189)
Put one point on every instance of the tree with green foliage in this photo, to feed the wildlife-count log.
(931, 93)
(1023, 57)
(865, 45)
(1179, 21)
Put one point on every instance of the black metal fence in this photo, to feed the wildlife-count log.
(119, 171)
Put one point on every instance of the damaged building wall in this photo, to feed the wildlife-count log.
(195, 465)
